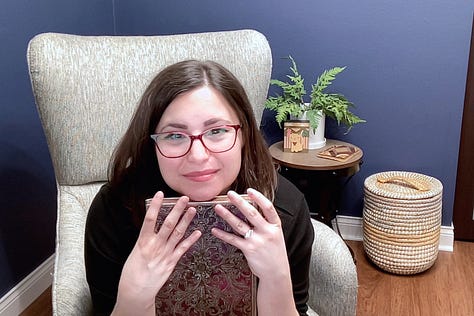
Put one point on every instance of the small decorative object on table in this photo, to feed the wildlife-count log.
(296, 136)
(402, 221)
(212, 277)
(339, 152)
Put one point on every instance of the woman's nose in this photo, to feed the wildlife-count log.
(198, 151)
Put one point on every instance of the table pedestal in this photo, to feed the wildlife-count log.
(322, 190)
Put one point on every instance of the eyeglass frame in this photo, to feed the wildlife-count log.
(236, 127)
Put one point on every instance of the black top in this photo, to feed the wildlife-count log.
(110, 236)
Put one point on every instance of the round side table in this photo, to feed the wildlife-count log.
(318, 178)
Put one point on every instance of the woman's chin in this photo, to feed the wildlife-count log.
(202, 196)
(202, 192)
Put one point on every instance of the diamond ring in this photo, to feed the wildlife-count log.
(248, 234)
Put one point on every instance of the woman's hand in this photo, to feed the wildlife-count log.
(264, 249)
(154, 257)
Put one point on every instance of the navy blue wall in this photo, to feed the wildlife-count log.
(406, 72)
(27, 186)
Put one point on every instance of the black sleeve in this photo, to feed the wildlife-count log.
(109, 238)
(299, 235)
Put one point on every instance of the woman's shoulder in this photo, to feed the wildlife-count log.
(109, 223)
(288, 197)
(106, 207)
(103, 197)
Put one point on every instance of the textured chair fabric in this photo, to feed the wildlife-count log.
(333, 274)
(86, 89)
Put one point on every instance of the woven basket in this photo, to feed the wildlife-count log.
(402, 221)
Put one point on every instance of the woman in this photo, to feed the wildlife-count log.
(194, 135)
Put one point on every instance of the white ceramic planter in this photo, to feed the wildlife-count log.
(316, 138)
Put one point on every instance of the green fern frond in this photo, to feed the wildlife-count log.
(283, 108)
(326, 78)
(314, 117)
(335, 106)
(293, 91)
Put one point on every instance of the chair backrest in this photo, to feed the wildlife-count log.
(86, 89)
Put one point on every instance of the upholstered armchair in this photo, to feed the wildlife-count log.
(86, 89)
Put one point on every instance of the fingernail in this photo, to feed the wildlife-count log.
(251, 191)
(231, 192)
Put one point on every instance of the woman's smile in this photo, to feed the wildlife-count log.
(201, 176)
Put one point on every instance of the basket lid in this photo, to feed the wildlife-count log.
(403, 185)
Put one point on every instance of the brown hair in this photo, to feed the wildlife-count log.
(133, 171)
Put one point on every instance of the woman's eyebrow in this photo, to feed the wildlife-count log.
(174, 125)
(206, 123)
(216, 120)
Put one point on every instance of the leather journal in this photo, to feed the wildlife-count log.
(212, 277)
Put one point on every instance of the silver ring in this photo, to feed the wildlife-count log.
(248, 234)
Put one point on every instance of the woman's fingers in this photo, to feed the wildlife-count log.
(157, 251)
(229, 238)
(170, 234)
(179, 231)
(149, 223)
(266, 206)
(184, 246)
(238, 225)
(247, 209)
(169, 224)
(259, 226)
(255, 218)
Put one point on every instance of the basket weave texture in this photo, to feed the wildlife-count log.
(402, 220)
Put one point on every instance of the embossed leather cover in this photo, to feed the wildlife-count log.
(212, 277)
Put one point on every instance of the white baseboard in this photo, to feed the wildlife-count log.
(28, 290)
(351, 229)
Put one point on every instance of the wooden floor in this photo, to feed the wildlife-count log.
(41, 306)
(445, 289)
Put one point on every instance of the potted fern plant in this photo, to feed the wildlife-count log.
(291, 103)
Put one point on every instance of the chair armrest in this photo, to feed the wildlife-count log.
(332, 275)
(70, 291)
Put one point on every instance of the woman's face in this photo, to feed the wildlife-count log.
(200, 174)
